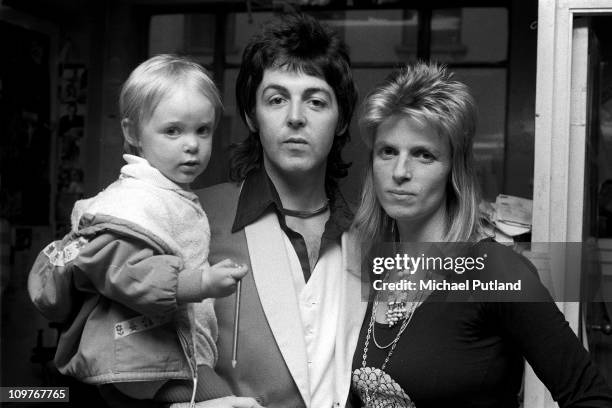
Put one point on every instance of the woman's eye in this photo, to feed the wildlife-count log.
(386, 152)
(425, 155)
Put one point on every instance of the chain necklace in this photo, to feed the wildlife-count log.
(371, 334)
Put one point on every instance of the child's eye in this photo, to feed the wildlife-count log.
(204, 130)
(172, 131)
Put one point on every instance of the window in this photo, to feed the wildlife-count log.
(471, 41)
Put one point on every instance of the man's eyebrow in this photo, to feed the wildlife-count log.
(307, 91)
(314, 90)
(274, 87)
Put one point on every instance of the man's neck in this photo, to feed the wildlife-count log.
(300, 192)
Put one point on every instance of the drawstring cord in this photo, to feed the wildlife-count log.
(193, 394)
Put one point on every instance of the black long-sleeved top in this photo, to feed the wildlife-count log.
(471, 354)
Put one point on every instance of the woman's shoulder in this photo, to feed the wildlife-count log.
(511, 274)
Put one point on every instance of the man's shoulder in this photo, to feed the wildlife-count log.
(219, 194)
(220, 202)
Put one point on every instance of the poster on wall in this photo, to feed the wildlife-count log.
(72, 94)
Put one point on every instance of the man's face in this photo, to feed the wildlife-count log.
(297, 116)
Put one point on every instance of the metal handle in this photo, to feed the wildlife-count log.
(605, 328)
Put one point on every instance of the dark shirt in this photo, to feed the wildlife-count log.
(259, 196)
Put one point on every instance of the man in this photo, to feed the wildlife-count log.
(284, 217)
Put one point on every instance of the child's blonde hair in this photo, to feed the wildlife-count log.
(153, 79)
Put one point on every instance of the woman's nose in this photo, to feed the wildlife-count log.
(402, 171)
(295, 116)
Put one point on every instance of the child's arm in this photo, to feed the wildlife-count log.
(126, 270)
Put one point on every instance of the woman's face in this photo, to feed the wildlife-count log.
(411, 168)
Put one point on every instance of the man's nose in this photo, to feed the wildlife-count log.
(295, 116)
(402, 171)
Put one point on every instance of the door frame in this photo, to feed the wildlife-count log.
(559, 151)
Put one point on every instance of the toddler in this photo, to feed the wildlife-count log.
(131, 322)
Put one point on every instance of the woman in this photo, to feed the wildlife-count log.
(427, 351)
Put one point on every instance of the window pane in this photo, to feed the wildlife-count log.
(379, 36)
(240, 30)
(192, 34)
(489, 89)
(166, 34)
(469, 35)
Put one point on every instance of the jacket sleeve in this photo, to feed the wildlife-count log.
(50, 279)
(124, 269)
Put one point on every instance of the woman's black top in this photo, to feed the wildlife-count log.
(471, 354)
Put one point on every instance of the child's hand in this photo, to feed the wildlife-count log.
(220, 279)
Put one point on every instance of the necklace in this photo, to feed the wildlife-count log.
(407, 317)
(304, 214)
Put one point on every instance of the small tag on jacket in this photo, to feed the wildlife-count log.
(139, 324)
(60, 257)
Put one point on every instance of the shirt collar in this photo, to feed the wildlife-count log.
(258, 195)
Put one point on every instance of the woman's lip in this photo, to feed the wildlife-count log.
(296, 140)
(400, 192)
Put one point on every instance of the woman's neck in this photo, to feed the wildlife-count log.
(303, 192)
(430, 229)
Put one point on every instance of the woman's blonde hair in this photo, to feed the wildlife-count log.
(425, 93)
(152, 80)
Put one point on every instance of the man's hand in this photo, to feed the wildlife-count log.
(220, 279)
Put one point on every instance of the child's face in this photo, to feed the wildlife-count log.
(177, 138)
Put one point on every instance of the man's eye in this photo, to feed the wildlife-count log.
(318, 103)
(276, 100)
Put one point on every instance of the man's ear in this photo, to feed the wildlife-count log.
(250, 123)
(342, 129)
(129, 132)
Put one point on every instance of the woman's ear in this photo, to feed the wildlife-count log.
(250, 123)
(129, 132)
(342, 129)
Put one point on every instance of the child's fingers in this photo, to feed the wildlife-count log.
(243, 402)
(227, 263)
(239, 272)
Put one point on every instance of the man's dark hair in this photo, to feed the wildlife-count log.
(299, 43)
